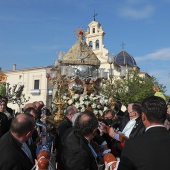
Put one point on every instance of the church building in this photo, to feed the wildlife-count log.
(36, 85)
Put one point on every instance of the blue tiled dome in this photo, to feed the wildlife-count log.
(123, 59)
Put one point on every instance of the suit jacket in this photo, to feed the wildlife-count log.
(12, 156)
(76, 153)
(138, 129)
(4, 124)
(120, 113)
(149, 151)
(63, 126)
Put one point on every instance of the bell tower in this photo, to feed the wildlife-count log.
(95, 40)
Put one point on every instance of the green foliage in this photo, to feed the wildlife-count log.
(132, 88)
(2, 89)
(15, 94)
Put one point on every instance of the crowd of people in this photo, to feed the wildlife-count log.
(137, 139)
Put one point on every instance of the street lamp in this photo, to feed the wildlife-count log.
(57, 77)
(111, 70)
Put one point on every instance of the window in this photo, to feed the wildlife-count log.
(93, 30)
(36, 84)
(91, 45)
(97, 44)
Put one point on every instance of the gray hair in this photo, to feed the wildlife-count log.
(74, 117)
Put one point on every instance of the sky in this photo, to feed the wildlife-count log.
(33, 31)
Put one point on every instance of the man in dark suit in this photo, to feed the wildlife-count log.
(130, 126)
(149, 151)
(78, 152)
(66, 123)
(15, 154)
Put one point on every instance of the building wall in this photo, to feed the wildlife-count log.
(27, 78)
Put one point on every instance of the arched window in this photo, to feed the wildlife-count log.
(91, 45)
(93, 30)
(97, 44)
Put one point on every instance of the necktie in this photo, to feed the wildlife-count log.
(27, 151)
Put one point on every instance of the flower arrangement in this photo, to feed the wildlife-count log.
(96, 103)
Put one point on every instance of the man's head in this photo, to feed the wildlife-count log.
(154, 110)
(87, 124)
(5, 99)
(31, 111)
(29, 105)
(70, 111)
(41, 103)
(168, 112)
(2, 105)
(22, 127)
(108, 116)
(134, 110)
(118, 106)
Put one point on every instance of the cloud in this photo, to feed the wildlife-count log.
(161, 54)
(136, 9)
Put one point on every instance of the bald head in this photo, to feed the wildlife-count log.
(29, 105)
(38, 104)
(86, 122)
(22, 124)
(71, 110)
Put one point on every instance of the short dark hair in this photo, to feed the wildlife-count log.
(29, 109)
(155, 109)
(5, 98)
(86, 122)
(2, 100)
(107, 111)
(137, 107)
(22, 124)
(118, 102)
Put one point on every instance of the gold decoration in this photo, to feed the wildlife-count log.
(3, 77)
(155, 88)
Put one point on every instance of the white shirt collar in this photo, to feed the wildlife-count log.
(154, 126)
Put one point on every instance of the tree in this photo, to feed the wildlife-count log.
(2, 89)
(131, 88)
(15, 94)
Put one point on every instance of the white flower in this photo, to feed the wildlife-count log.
(105, 108)
(100, 112)
(94, 98)
(83, 101)
(81, 98)
(102, 101)
(83, 109)
(93, 105)
(64, 97)
(87, 103)
(92, 95)
(77, 105)
(76, 96)
(70, 102)
(99, 106)
(95, 112)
